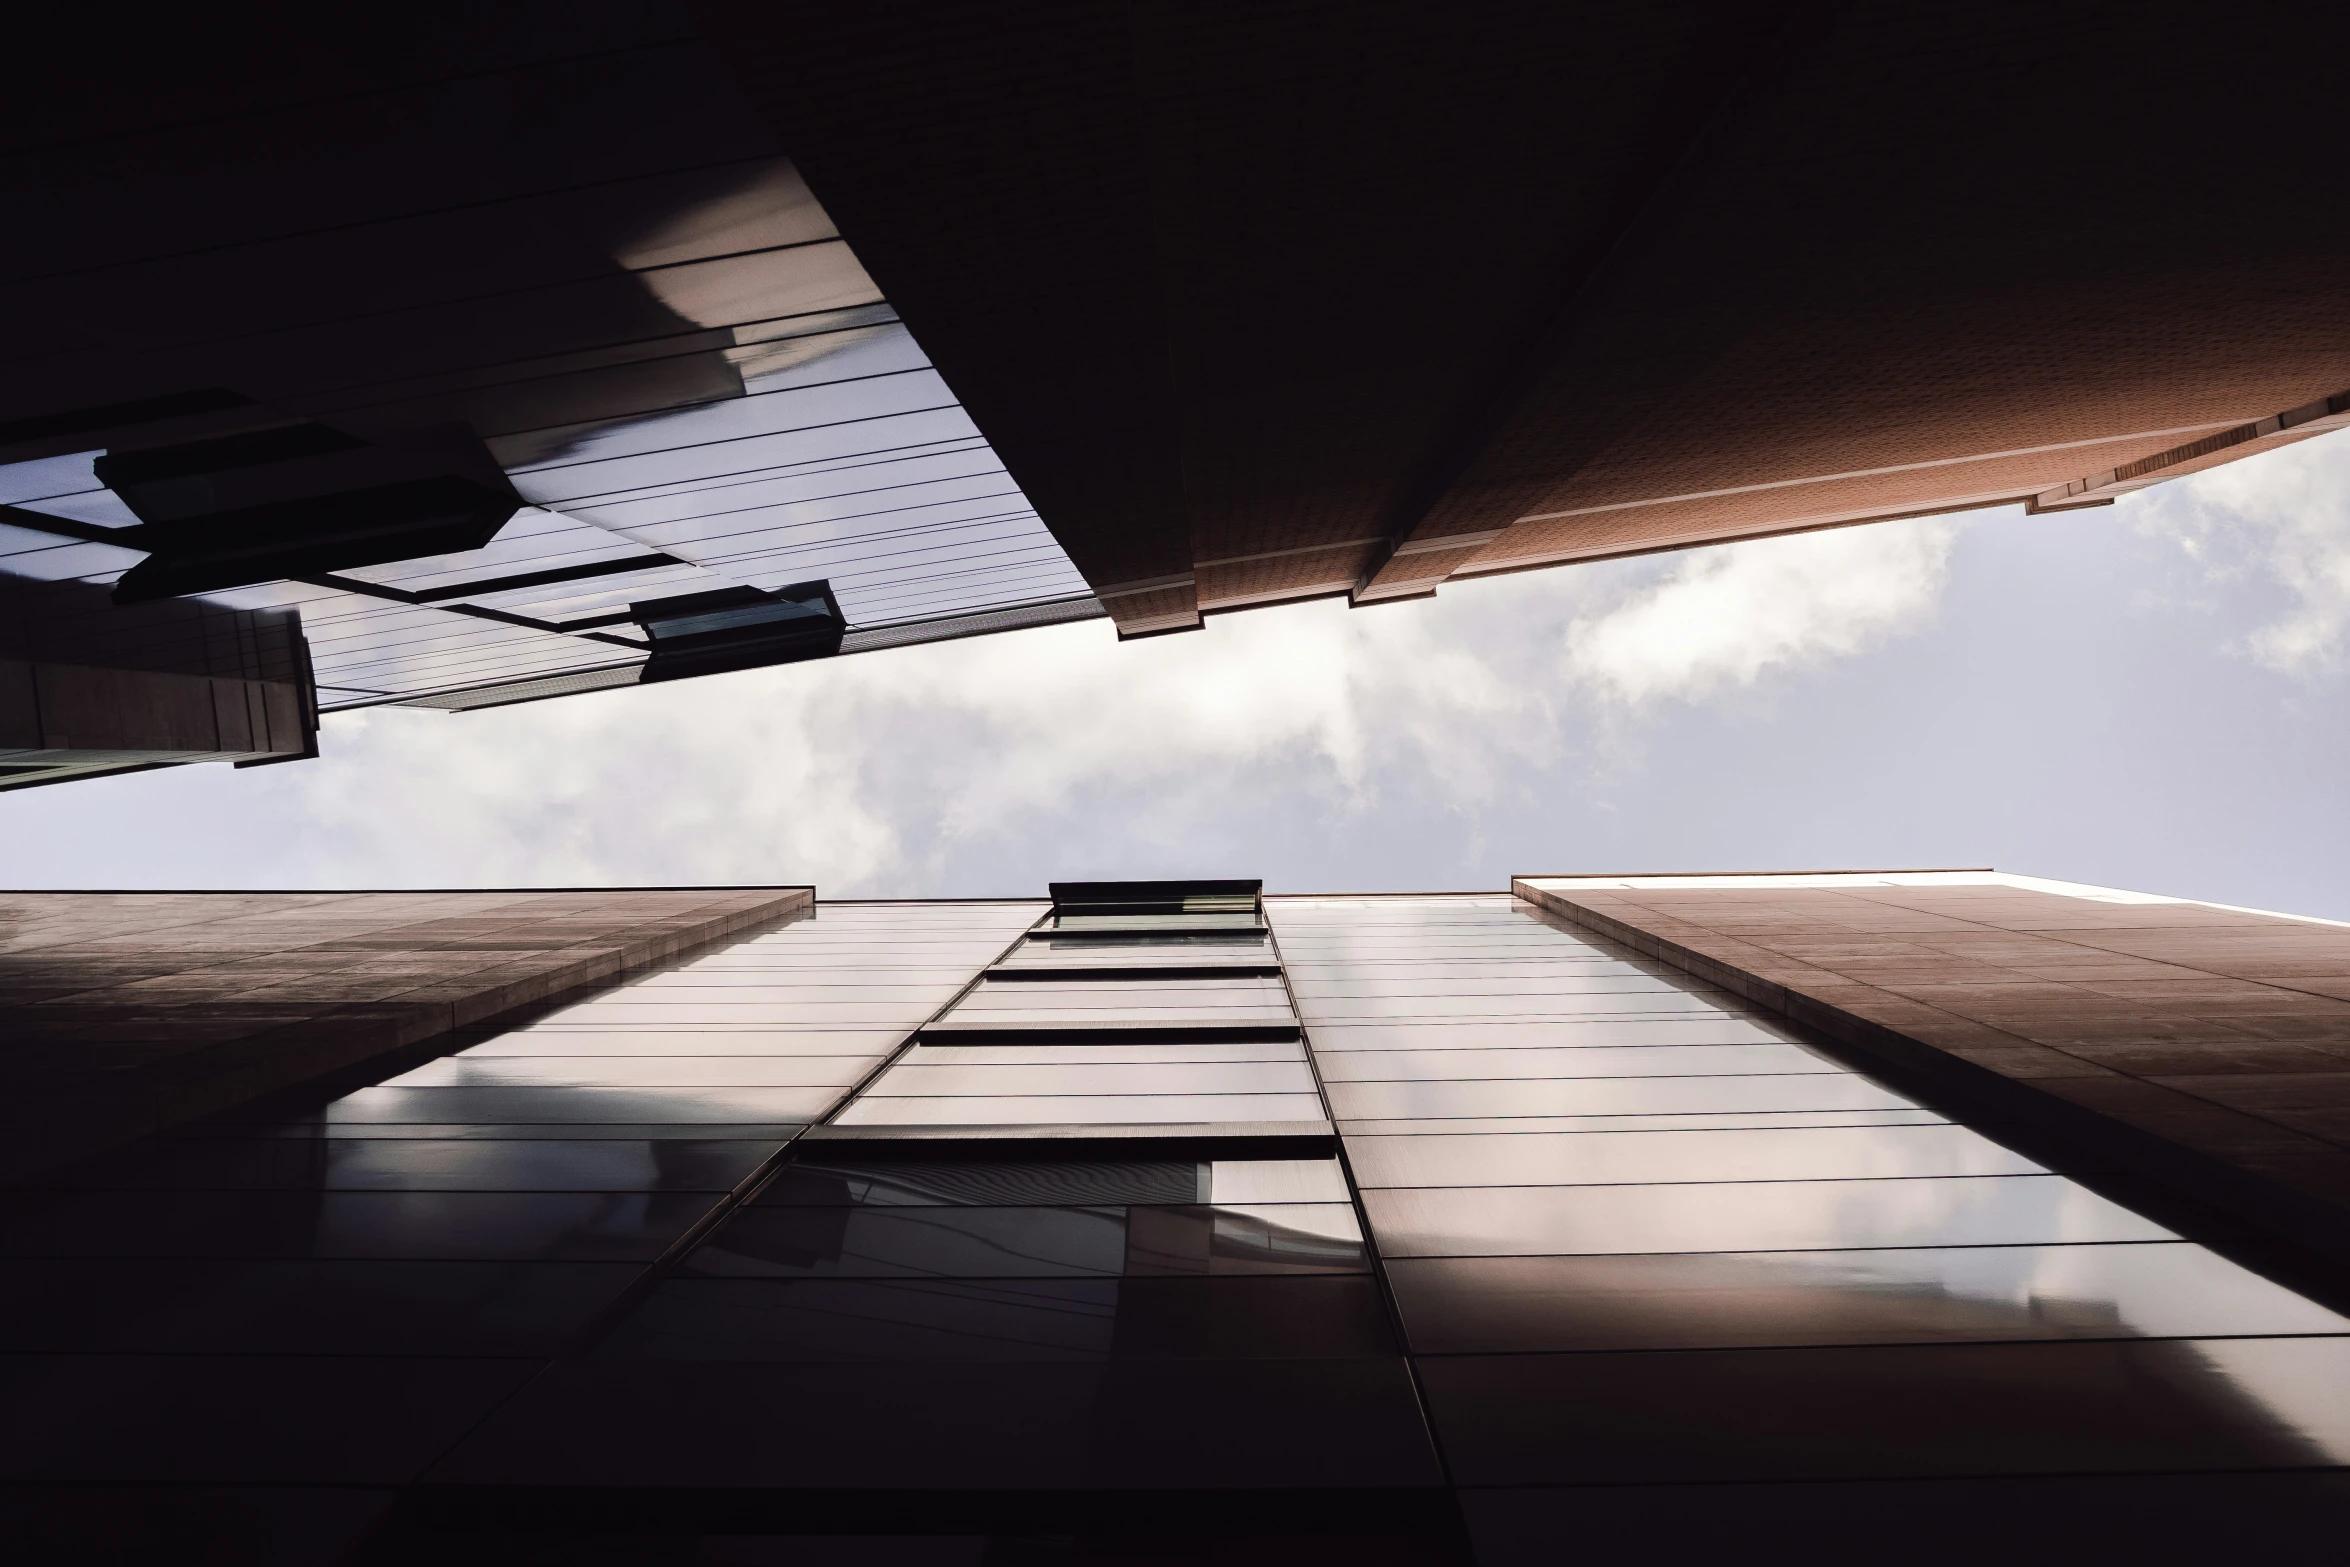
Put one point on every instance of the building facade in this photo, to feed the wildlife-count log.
(495, 346)
(1153, 1221)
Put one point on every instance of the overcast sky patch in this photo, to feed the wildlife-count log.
(2037, 693)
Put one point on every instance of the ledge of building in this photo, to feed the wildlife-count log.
(1073, 1140)
(2201, 1048)
(127, 1013)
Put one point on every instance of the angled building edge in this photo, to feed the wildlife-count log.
(72, 1108)
(2248, 1181)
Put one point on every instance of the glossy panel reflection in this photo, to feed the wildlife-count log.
(664, 346)
(1128, 1041)
(1020, 1316)
(1946, 1409)
(1638, 1158)
(752, 1231)
(1723, 1300)
(1077, 1319)
(340, 1286)
(1141, 950)
(1204, 1002)
(1637, 1234)
(1040, 1217)
(1747, 1216)
(973, 1242)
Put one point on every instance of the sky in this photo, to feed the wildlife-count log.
(2149, 695)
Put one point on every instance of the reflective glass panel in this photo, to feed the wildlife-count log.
(1726, 1300)
(889, 1240)
(1747, 1216)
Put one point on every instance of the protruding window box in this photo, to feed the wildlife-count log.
(299, 500)
(738, 628)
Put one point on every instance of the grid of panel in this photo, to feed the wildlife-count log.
(364, 648)
(770, 423)
(1118, 1084)
(1033, 1001)
(1133, 1035)
(1003, 1306)
(1064, 1323)
(25, 551)
(594, 1135)
(840, 1217)
(1076, 919)
(1060, 1260)
(1638, 1234)
(338, 1290)
(776, 1028)
(1187, 950)
(854, 464)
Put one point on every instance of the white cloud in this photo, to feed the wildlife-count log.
(870, 772)
(2282, 520)
(882, 771)
(974, 764)
(1721, 618)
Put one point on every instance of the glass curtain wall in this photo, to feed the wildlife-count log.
(268, 1323)
(1086, 1233)
(1639, 1236)
(1029, 1232)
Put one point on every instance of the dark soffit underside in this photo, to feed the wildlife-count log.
(1262, 284)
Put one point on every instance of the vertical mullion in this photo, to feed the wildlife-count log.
(1346, 1169)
